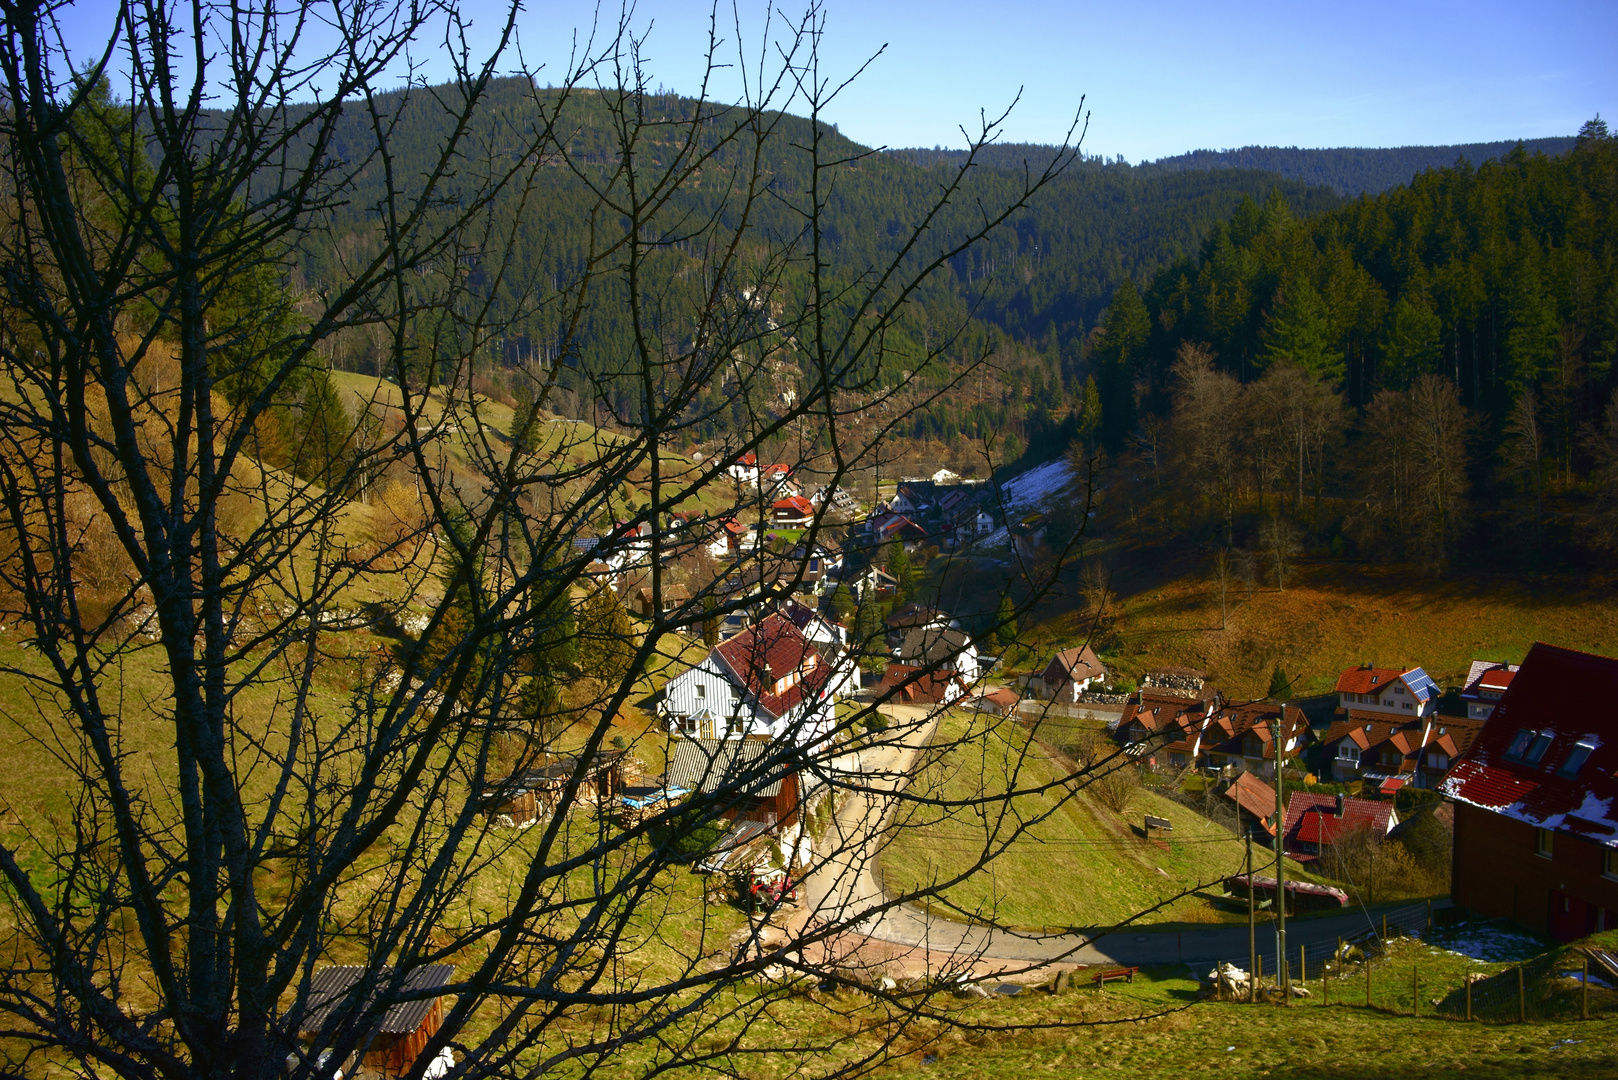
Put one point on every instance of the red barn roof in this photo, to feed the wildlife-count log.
(1549, 754)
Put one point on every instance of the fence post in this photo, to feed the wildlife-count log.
(1522, 998)
(1303, 964)
(1258, 974)
(1584, 991)
(1415, 990)
(1367, 980)
(1429, 916)
(1384, 926)
(1469, 996)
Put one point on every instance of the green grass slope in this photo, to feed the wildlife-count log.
(1075, 864)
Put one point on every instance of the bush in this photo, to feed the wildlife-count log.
(689, 833)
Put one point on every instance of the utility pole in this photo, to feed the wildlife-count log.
(1252, 926)
(1280, 871)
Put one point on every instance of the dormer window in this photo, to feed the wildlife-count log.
(1374, 678)
(1542, 743)
(1575, 761)
(1520, 743)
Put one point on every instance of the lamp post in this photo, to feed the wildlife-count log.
(1276, 737)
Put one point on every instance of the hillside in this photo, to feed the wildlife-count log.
(1348, 170)
(1079, 863)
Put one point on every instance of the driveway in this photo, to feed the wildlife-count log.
(847, 885)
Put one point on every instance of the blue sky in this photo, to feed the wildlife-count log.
(1161, 77)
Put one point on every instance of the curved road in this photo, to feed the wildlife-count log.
(846, 887)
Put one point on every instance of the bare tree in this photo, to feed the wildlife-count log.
(1208, 430)
(282, 719)
(1280, 541)
(1523, 463)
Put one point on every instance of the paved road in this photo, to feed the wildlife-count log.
(847, 887)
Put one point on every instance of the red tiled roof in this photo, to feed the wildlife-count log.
(769, 650)
(779, 467)
(748, 458)
(796, 503)
(1363, 680)
(1312, 818)
(1003, 697)
(1568, 697)
(907, 683)
(1496, 679)
(1255, 718)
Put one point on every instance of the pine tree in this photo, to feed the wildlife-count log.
(1411, 347)
(1116, 358)
(1298, 330)
(897, 563)
(1006, 623)
(1280, 684)
(325, 432)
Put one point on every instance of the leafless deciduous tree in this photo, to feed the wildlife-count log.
(293, 642)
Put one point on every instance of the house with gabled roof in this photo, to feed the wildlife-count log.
(1255, 802)
(1408, 693)
(770, 681)
(1166, 730)
(792, 510)
(1391, 753)
(1239, 737)
(1536, 799)
(1315, 822)
(1071, 672)
(1485, 682)
(744, 468)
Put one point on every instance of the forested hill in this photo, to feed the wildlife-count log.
(1039, 283)
(1353, 170)
(1349, 170)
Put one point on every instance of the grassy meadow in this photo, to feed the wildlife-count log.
(1078, 864)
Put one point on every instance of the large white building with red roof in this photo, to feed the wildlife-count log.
(771, 681)
(1409, 693)
(1536, 799)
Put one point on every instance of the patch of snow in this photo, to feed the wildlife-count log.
(1490, 943)
(1034, 488)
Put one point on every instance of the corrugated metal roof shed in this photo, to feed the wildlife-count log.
(709, 764)
(331, 990)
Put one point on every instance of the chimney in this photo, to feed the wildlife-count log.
(1339, 804)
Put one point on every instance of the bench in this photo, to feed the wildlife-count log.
(1125, 973)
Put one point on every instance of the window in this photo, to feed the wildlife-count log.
(1438, 761)
(1542, 743)
(1347, 751)
(1542, 843)
(687, 724)
(1409, 705)
(1519, 743)
(1609, 863)
(1575, 761)
(702, 691)
(1398, 690)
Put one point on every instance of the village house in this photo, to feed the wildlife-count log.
(744, 469)
(747, 776)
(674, 598)
(942, 646)
(874, 585)
(1028, 535)
(1166, 729)
(1001, 702)
(770, 681)
(1255, 803)
(1241, 738)
(1536, 799)
(1071, 672)
(795, 510)
(1485, 682)
(1315, 822)
(401, 1034)
(1392, 753)
(1387, 691)
(911, 684)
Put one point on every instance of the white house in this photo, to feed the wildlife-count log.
(745, 468)
(769, 681)
(1071, 672)
(1389, 691)
(939, 647)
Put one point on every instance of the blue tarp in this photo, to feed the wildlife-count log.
(641, 802)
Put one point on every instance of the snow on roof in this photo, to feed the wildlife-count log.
(1548, 756)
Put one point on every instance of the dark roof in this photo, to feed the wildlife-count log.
(1557, 710)
(932, 645)
(553, 774)
(329, 992)
(707, 765)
